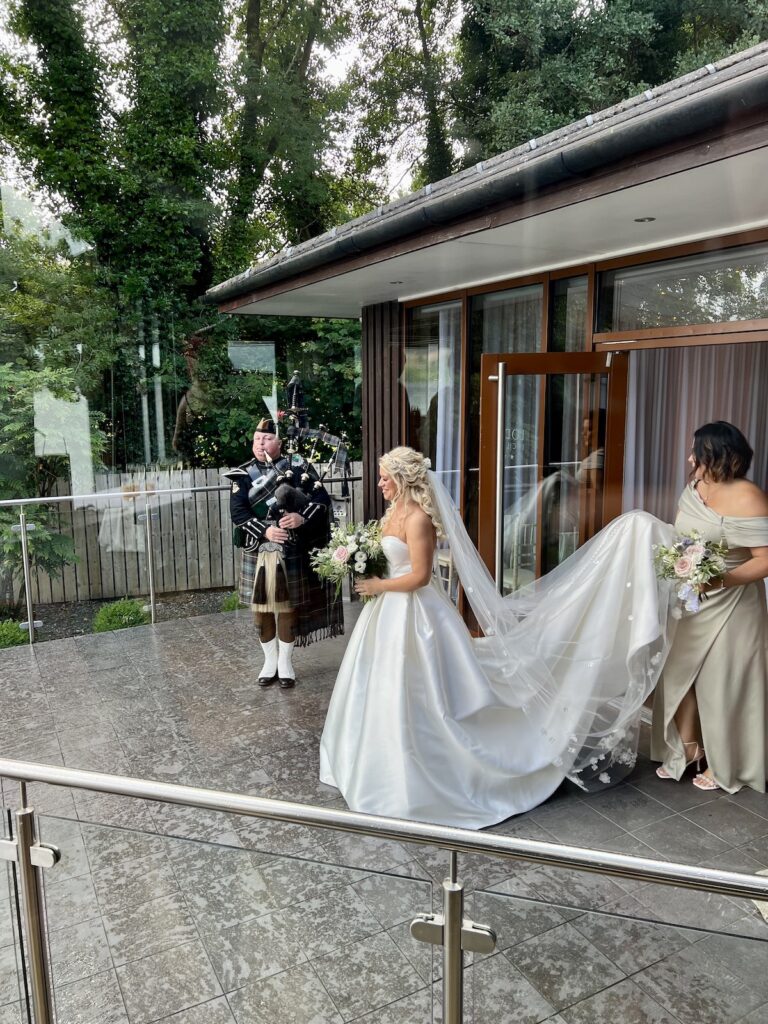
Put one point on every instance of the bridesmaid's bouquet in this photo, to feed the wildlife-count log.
(354, 549)
(692, 562)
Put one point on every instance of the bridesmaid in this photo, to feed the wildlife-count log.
(711, 701)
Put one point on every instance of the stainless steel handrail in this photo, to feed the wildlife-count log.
(101, 495)
(615, 865)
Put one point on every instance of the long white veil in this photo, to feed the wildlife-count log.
(579, 650)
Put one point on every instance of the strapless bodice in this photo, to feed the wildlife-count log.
(398, 556)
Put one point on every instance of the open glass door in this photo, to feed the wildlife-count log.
(551, 457)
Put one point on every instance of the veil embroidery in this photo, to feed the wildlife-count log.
(580, 650)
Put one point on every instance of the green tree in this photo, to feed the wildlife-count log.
(54, 311)
(529, 68)
(182, 141)
(401, 85)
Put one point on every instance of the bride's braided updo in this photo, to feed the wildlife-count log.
(408, 470)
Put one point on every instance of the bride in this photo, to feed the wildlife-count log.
(430, 724)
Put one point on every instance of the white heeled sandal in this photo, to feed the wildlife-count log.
(698, 757)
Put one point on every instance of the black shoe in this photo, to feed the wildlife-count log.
(267, 680)
(285, 683)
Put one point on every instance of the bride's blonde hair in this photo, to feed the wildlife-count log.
(408, 470)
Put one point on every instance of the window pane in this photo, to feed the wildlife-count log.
(703, 289)
(507, 321)
(432, 381)
(569, 315)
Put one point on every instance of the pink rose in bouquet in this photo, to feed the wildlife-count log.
(354, 550)
(683, 566)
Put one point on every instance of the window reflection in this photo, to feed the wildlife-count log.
(431, 379)
(63, 428)
(568, 316)
(707, 288)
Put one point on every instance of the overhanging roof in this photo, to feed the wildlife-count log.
(381, 256)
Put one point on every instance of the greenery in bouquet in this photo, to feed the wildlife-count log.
(692, 563)
(354, 549)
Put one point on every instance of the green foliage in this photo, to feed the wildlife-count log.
(55, 312)
(325, 352)
(195, 137)
(182, 141)
(231, 602)
(401, 86)
(330, 363)
(11, 634)
(120, 615)
(530, 68)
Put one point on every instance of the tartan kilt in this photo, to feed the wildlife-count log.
(319, 613)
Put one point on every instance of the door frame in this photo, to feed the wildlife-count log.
(494, 366)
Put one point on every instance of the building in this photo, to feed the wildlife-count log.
(552, 324)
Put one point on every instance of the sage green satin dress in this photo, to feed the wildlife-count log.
(722, 651)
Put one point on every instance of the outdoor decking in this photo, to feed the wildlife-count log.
(164, 913)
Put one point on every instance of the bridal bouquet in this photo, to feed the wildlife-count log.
(692, 563)
(354, 549)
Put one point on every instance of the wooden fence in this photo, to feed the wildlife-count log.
(191, 536)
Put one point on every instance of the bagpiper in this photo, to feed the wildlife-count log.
(281, 512)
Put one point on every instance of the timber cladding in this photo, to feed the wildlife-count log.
(382, 354)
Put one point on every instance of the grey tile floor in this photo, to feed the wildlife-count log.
(162, 913)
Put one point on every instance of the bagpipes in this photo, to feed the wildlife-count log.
(302, 439)
(276, 493)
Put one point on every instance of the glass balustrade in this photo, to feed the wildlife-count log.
(13, 976)
(273, 922)
(588, 949)
(162, 543)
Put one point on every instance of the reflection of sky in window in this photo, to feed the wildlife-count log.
(20, 211)
(63, 428)
(703, 288)
(253, 356)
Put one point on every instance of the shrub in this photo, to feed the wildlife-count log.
(231, 602)
(120, 615)
(11, 634)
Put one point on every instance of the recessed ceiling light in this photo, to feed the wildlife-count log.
(644, 220)
(395, 282)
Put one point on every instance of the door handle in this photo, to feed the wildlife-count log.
(501, 416)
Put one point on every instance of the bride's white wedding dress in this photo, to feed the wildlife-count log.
(430, 724)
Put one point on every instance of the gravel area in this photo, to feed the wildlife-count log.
(73, 619)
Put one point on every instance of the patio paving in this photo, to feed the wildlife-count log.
(166, 913)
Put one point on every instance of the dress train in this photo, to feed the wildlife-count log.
(430, 724)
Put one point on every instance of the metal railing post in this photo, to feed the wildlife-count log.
(27, 574)
(32, 909)
(453, 957)
(150, 558)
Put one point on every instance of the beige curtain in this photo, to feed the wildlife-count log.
(674, 390)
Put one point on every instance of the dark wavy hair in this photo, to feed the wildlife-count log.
(722, 450)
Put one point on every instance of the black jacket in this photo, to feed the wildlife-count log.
(252, 502)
